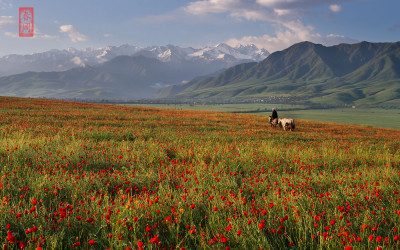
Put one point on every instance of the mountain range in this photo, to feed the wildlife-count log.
(307, 73)
(124, 72)
(220, 56)
(355, 74)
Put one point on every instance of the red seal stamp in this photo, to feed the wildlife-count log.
(26, 22)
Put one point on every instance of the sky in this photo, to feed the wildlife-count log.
(270, 24)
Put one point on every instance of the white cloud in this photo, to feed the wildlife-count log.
(211, 6)
(7, 20)
(107, 35)
(78, 61)
(335, 8)
(247, 9)
(298, 4)
(73, 33)
(291, 33)
(36, 35)
(243, 8)
(10, 34)
(282, 12)
(284, 15)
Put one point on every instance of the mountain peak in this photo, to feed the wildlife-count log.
(222, 45)
(363, 73)
(60, 60)
(305, 44)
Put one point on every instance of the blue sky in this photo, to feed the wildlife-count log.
(270, 24)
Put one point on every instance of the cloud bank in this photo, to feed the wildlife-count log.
(7, 20)
(284, 15)
(10, 34)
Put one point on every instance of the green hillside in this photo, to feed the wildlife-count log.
(346, 74)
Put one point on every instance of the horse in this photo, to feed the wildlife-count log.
(287, 124)
(272, 122)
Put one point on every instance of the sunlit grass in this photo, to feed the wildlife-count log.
(373, 117)
(104, 176)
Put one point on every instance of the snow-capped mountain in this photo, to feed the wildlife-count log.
(216, 57)
(222, 50)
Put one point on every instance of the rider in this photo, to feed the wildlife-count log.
(274, 114)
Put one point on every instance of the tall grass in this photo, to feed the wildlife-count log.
(103, 176)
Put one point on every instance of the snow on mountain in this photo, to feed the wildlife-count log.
(170, 53)
(60, 60)
(249, 52)
(110, 52)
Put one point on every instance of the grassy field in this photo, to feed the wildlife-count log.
(242, 108)
(93, 176)
(382, 118)
(367, 117)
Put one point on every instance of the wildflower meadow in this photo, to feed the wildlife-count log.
(91, 176)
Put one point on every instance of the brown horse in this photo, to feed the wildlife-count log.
(272, 122)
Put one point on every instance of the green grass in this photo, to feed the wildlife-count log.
(233, 108)
(380, 118)
(375, 117)
(119, 177)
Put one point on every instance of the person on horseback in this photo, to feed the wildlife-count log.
(273, 119)
(274, 114)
